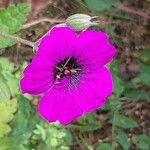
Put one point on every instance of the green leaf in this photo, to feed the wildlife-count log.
(6, 43)
(23, 124)
(11, 20)
(144, 76)
(104, 146)
(13, 84)
(5, 143)
(91, 117)
(87, 118)
(142, 142)
(9, 83)
(112, 104)
(54, 138)
(122, 139)
(125, 122)
(118, 88)
(118, 14)
(90, 127)
(99, 5)
(8, 67)
(7, 108)
(5, 93)
(68, 138)
(4, 129)
(144, 56)
(22, 117)
(135, 95)
(110, 29)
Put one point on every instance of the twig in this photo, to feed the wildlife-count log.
(133, 11)
(41, 20)
(17, 39)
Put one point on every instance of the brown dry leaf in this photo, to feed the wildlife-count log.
(4, 3)
(138, 31)
(36, 7)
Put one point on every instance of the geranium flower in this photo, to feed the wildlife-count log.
(69, 70)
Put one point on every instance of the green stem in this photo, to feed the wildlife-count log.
(115, 113)
(18, 39)
(113, 130)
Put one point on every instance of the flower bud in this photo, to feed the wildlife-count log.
(81, 22)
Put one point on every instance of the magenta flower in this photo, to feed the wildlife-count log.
(69, 70)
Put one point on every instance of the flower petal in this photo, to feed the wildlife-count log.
(34, 86)
(50, 105)
(38, 76)
(94, 88)
(59, 106)
(60, 102)
(65, 106)
(40, 67)
(70, 109)
(93, 48)
(58, 44)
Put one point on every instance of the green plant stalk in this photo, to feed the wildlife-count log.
(113, 129)
(18, 39)
(115, 113)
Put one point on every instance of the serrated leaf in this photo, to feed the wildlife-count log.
(11, 20)
(142, 142)
(125, 122)
(4, 89)
(13, 84)
(5, 143)
(104, 146)
(122, 139)
(9, 83)
(55, 136)
(99, 5)
(4, 129)
(8, 67)
(7, 108)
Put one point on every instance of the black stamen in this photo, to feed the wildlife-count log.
(66, 67)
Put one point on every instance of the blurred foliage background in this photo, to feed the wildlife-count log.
(123, 123)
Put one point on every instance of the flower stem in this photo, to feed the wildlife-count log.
(17, 39)
(41, 20)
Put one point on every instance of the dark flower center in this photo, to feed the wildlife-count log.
(67, 67)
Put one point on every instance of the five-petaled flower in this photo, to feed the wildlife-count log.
(69, 70)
